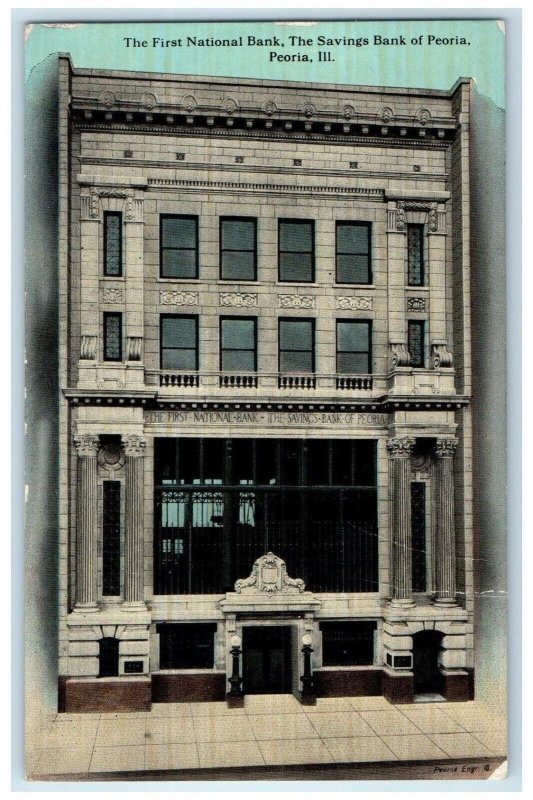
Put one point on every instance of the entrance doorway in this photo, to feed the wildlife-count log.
(267, 666)
(426, 648)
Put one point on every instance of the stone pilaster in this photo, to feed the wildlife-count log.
(445, 522)
(134, 447)
(400, 519)
(87, 531)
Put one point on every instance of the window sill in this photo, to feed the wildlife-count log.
(119, 278)
(364, 286)
(159, 279)
(193, 671)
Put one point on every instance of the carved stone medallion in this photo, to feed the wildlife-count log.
(269, 576)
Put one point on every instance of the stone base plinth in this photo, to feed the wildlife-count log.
(398, 687)
(104, 695)
(347, 682)
(456, 685)
(188, 687)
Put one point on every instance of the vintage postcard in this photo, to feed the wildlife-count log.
(266, 448)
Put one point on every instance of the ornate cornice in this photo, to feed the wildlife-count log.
(238, 186)
(400, 447)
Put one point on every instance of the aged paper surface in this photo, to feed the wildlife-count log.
(266, 524)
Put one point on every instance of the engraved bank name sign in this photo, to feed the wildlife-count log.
(296, 418)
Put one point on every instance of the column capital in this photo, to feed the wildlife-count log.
(87, 444)
(400, 447)
(445, 448)
(134, 445)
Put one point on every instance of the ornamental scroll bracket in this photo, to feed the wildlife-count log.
(440, 355)
(399, 354)
(269, 577)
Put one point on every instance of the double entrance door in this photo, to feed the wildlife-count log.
(267, 659)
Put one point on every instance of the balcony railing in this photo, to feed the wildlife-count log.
(264, 382)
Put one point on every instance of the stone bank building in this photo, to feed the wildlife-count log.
(265, 435)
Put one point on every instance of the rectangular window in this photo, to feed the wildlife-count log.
(111, 538)
(112, 336)
(238, 248)
(353, 252)
(347, 643)
(415, 255)
(238, 349)
(296, 250)
(113, 244)
(179, 342)
(186, 646)
(415, 342)
(296, 345)
(354, 347)
(418, 533)
(179, 246)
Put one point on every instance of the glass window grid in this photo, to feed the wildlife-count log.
(162, 247)
(164, 348)
(252, 221)
(238, 349)
(311, 349)
(112, 336)
(112, 264)
(416, 342)
(311, 251)
(367, 252)
(415, 255)
(368, 352)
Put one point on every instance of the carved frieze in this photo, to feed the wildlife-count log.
(134, 446)
(269, 576)
(296, 301)
(397, 217)
(238, 299)
(87, 444)
(416, 304)
(440, 355)
(90, 203)
(400, 447)
(112, 294)
(178, 298)
(355, 303)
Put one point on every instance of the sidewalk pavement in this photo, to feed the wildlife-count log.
(271, 730)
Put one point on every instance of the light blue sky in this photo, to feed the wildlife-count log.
(101, 45)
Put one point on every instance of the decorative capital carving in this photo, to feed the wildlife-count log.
(88, 348)
(440, 355)
(111, 294)
(134, 348)
(269, 576)
(309, 110)
(400, 447)
(134, 446)
(246, 299)
(398, 218)
(148, 100)
(399, 354)
(445, 448)
(296, 301)
(178, 298)
(111, 457)
(416, 303)
(87, 444)
(355, 303)
(270, 108)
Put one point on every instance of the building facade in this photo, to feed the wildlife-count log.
(265, 442)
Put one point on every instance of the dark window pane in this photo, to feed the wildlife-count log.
(186, 646)
(178, 232)
(353, 269)
(293, 361)
(238, 333)
(238, 266)
(178, 359)
(353, 336)
(179, 247)
(355, 363)
(353, 238)
(415, 343)
(353, 252)
(235, 360)
(112, 337)
(296, 237)
(113, 244)
(179, 332)
(238, 234)
(108, 657)
(296, 267)
(111, 538)
(295, 334)
(347, 643)
(415, 255)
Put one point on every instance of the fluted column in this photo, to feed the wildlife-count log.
(400, 519)
(134, 447)
(87, 531)
(445, 522)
